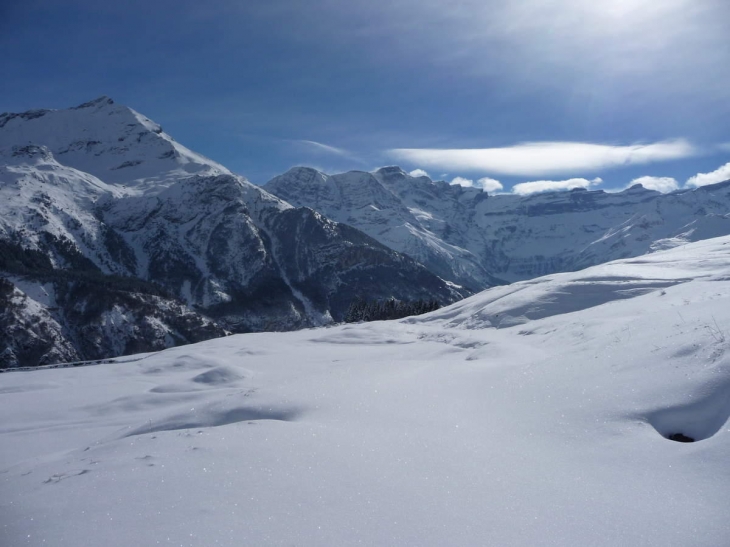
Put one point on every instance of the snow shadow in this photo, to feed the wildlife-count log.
(359, 337)
(697, 420)
(526, 301)
(214, 418)
(180, 363)
(574, 297)
(217, 376)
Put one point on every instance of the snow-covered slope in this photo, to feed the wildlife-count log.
(42, 200)
(531, 415)
(476, 240)
(97, 199)
(110, 141)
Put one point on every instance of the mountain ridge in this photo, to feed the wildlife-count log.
(123, 212)
(480, 240)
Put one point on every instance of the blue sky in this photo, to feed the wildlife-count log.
(546, 91)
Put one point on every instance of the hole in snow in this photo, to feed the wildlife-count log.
(680, 438)
(699, 419)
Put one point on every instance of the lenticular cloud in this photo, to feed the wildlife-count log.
(545, 158)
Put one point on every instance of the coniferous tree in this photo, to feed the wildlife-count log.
(381, 310)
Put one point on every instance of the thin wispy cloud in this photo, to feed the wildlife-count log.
(659, 184)
(538, 186)
(319, 150)
(721, 174)
(321, 147)
(545, 158)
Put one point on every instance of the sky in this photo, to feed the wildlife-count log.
(520, 96)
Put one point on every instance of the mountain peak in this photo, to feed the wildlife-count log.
(639, 188)
(100, 101)
(109, 140)
(390, 170)
(304, 170)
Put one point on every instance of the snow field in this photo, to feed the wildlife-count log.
(545, 427)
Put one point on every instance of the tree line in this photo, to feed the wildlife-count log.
(380, 310)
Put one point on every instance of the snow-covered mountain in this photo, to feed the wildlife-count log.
(161, 246)
(370, 203)
(110, 141)
(537, 414)
(477, 240)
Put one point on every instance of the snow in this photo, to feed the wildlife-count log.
(365, 201)
(479, 240)
(534, 414)
(110, 141)
(42, 294)
(37, 192)
(222, 233)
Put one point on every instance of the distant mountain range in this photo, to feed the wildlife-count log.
(476, 240)
(116, 239)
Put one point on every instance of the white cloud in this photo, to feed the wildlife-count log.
(660, 184)
(461, 181)
(418, 173)
(533, 187)
(490, 185)
(721, 174)
(545, 158)
(487, 184)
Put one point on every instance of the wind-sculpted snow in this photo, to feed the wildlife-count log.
(559, 430)
(700, 417)
(559, 294)
(477, 240)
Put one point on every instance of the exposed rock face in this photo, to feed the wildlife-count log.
(253, 261)
(477, 240)
(370, 202)
(29, 335)
(115, 239)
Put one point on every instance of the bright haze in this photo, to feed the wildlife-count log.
(524, 96)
